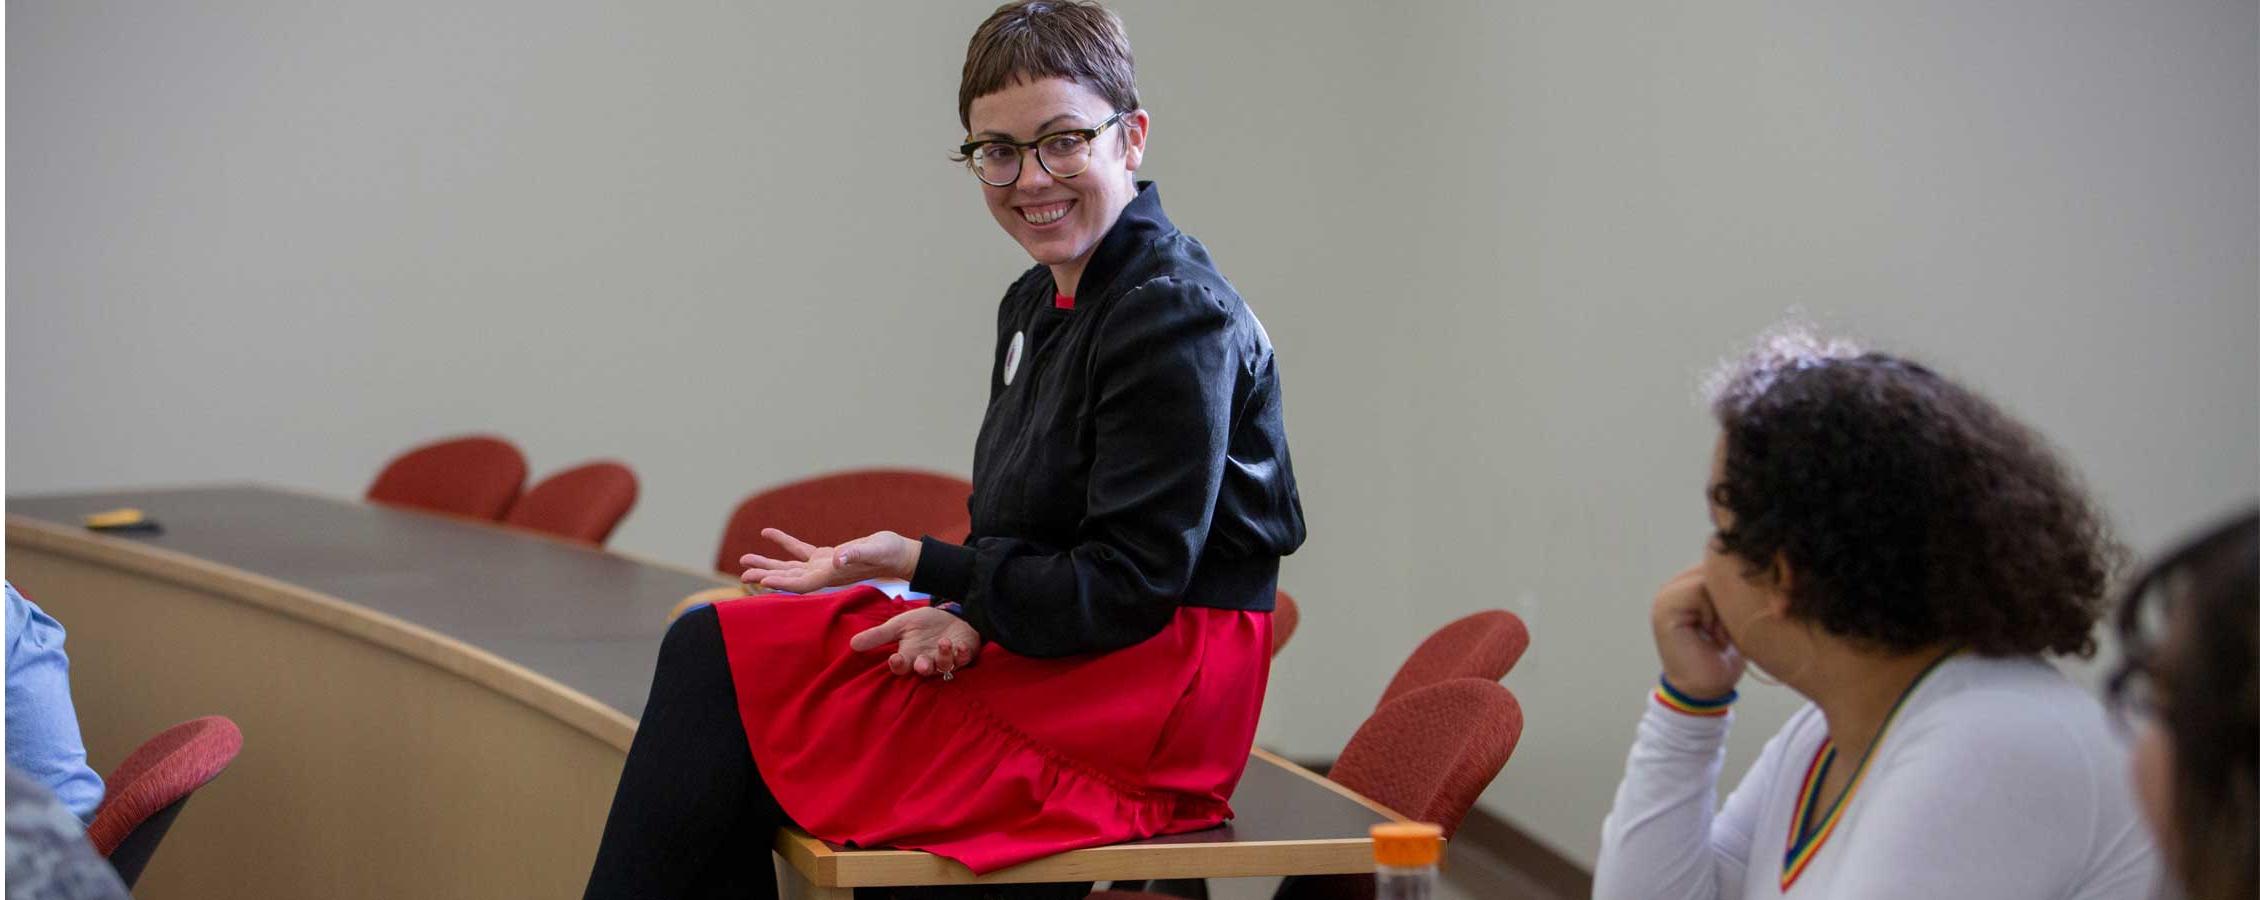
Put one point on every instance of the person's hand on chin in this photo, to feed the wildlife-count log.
(1699, 658)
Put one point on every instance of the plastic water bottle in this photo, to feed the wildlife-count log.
(1404, 860)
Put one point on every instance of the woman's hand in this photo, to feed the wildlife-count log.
(1699, 659)
(882, 555)
(927, 641)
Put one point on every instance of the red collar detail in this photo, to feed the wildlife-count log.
(1062, 301)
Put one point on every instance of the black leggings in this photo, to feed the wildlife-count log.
(692, 817)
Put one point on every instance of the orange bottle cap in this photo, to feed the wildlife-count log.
(1407, 845)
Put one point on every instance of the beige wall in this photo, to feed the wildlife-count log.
(1494, 242)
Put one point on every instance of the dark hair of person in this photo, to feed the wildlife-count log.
(1910, 511)
(2203, 686)
(1037, 39)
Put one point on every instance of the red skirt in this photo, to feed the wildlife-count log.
(1014, 759)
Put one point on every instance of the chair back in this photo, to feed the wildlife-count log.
(147, 791)
(476, 476)
(1284, 617)
(832, 509)
(1484, 645)
(1428, 755)
(583, 503)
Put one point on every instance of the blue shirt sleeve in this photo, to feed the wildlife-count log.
(43, 735)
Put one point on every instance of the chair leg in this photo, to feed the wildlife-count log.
(1188, 888)
(133, 853)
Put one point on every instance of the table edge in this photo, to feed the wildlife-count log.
(480, 666)
(826, 867)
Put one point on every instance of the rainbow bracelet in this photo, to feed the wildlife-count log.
(1681, 703)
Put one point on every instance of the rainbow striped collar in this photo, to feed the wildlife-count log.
(1805, 837)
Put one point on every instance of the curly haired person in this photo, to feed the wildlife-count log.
(1901, 554)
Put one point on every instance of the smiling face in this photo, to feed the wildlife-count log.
(1059, 221)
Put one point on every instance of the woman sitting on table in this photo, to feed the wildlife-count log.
(2191, 629)
(1900, 553)
(1132, 498)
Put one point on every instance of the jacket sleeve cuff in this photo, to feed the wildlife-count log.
(945, 570)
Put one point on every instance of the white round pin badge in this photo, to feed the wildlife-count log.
(1012, 355)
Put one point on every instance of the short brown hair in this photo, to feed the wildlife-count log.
(1032, 39)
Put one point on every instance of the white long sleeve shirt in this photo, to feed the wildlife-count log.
(1997, 778)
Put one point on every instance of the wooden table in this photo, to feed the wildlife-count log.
(1290, 822)
(436, 707)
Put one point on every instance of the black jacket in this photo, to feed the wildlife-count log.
(1132, 461)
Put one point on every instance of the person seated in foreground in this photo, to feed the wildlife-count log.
(49, 856)
(43, 736)
(2190, 627)
(1900, 553)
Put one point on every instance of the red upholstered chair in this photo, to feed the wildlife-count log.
(831, 509)
(1485, 645)
(583, 503)
(475, 476)
(1284, 617)
(1427, 754)
(147, 791)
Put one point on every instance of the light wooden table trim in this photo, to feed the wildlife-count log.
(710, 595)
(381, 758)
(544, 694)
(814, 867)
